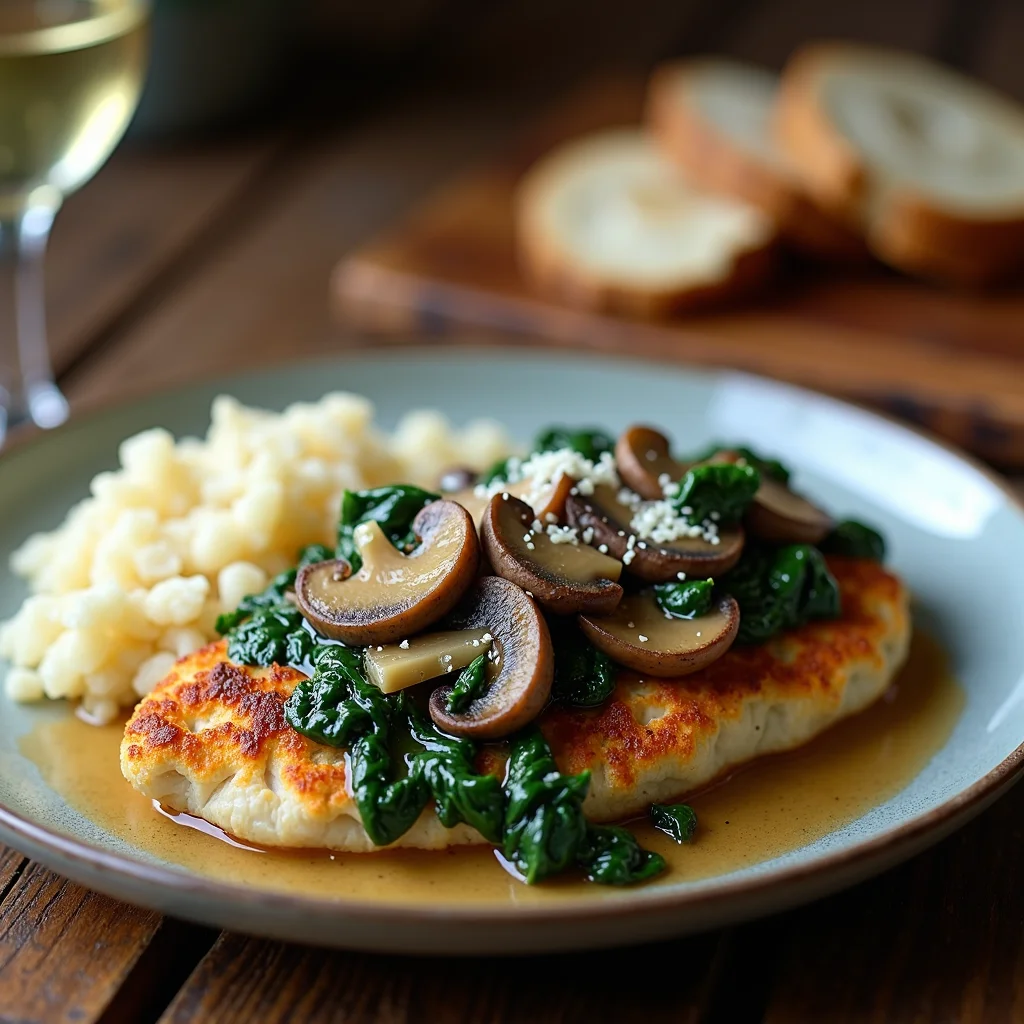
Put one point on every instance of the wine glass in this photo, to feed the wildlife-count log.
(70, 76)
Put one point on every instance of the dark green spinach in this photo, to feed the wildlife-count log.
(688, 599)
(584, 676)
(497, 471)
(314, 553)
(766, 467)
(320, 707)
(590, 442)
(544, 822)
(855, 540)
(719, 491)
(266, 628)
(266, 637)
(472, 683)
(460, 794)
(677, 821)
(388, 806)
(780, 588)
(337, 706)
(394, 508)
(611, 855)
(272, 597)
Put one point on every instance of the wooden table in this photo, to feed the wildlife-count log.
(180, 261)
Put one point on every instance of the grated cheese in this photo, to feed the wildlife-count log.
(659, 521)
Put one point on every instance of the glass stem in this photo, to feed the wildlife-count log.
(27, 387)
(10, 364)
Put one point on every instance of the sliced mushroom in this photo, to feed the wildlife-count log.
(394, 667)
(565, 578)
(643, 458)
(639, 635)
(520, 662)
(393, 595)
(785, 517)
(548, 503)
(458, 478)
(780, 515)
(650, 561)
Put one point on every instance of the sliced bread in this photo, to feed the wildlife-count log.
(714, 119)
(606, 223)
(929, 165)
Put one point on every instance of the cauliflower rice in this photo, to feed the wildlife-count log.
(138, 572)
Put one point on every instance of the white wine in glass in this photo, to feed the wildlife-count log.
(70, 76)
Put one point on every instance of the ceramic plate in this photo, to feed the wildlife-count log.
(955, 535)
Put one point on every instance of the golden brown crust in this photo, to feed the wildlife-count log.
(209, 716)
(940, 245)
(812, 665)
(713, 161)
(828, 166)
(905, 229)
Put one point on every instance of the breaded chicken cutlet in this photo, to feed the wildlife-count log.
(212, 739)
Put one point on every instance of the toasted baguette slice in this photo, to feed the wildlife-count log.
(714, 119)
(606, 223)
(927, 163)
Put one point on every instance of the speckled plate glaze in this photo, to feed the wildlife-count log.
(956, 535)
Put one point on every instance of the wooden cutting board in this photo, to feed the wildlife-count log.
(951, 362)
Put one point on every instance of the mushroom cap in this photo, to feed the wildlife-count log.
(782, 516)
(643, 456)
(548, 501)
(457, 478)
(563, 578)
(520, 672)
(673, 646)
(653, 563)
(393, 596)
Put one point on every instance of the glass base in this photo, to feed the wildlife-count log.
(42, 404)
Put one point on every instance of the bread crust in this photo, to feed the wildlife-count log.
(715, 162)
(903, 226)
(551, 270)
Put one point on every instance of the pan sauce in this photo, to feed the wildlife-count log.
(768, 808)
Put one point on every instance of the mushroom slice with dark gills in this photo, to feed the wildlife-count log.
(643, 637)
(393, 596)
(519, 666)
(650, 560)
(564, 575)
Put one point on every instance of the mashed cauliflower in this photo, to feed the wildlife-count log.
(138, 572)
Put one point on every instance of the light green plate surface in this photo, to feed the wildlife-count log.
(955, 535)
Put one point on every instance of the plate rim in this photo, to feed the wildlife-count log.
(892, 845)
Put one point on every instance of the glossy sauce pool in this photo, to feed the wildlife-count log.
(772, 806)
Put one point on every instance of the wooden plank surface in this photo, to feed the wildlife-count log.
(245, 979)
(64, 951)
